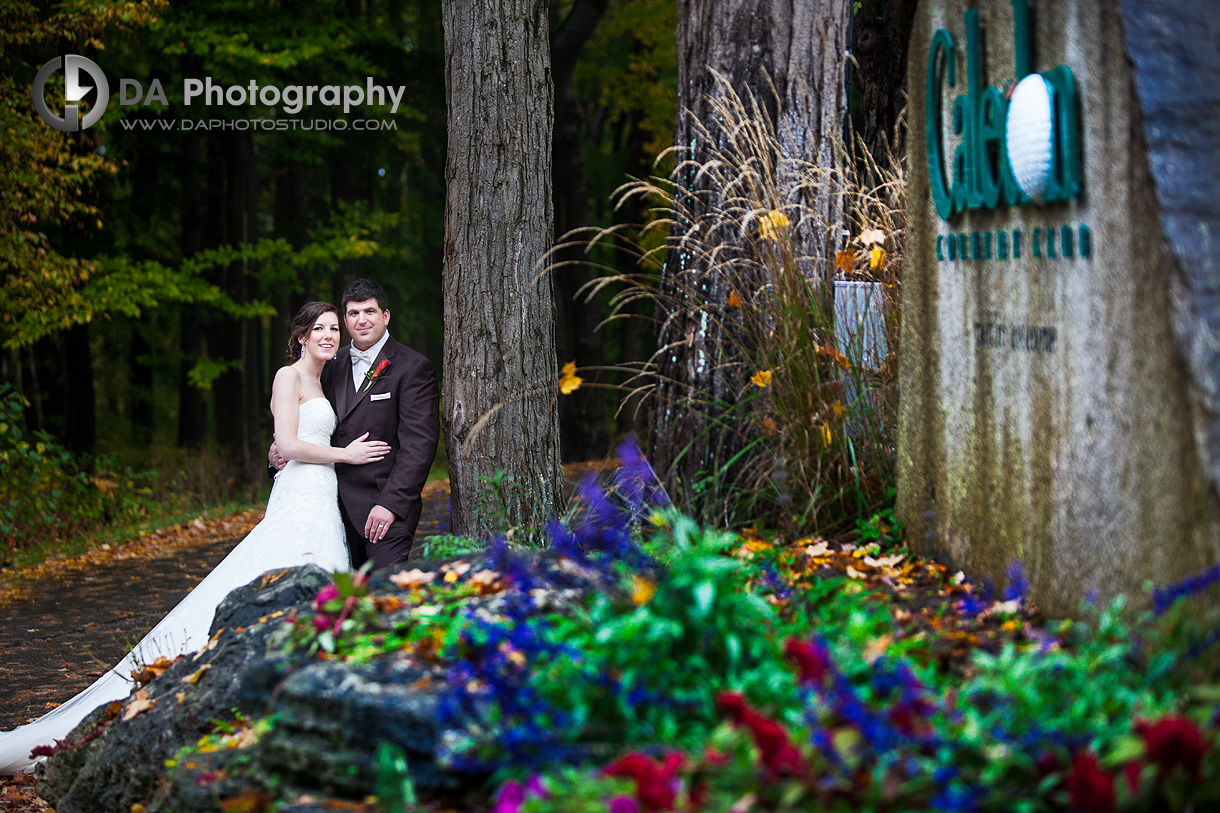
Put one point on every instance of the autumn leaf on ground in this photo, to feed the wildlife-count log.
(247, 801)
(884, 561)
(762, 378)
(140, 703)
(210, 645)
(410, 579)
(818, 548)
(855, 574)
(876, 649)
(734, 299)
(870, 236)
(845, 261)
(194, 676)
(152, 670)
(569, 381)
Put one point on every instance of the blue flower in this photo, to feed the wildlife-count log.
(1165, 597)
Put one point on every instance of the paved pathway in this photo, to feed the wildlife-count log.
(72, 622)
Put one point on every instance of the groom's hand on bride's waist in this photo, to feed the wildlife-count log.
(378, 524)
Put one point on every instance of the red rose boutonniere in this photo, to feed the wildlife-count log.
(371, 377)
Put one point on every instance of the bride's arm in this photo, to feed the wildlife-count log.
(285, 408)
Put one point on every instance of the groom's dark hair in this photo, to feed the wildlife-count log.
(361, 290)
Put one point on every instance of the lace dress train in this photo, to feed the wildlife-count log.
(301, 526)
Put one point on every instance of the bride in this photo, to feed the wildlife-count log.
(301, 525)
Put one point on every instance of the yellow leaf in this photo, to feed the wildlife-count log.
(845, 261)
(824, 433)
(876, 257)
(211, 644)
(870, 236)
(734, 299)
(770, 224)
(642, 590)
(194, 676)
(569, 381)
(762, 378)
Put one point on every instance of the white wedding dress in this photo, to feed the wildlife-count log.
(301, 526)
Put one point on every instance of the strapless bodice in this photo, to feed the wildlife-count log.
(316, 422)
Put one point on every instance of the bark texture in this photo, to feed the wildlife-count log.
(789, 56)
(499, 314)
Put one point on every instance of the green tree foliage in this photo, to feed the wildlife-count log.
(47, 174)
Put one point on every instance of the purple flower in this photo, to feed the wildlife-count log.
(510, 797)
(1166, 597)
(623, 804)
(1018, 585)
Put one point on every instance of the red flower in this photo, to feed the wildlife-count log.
(1174, 741)
(812, 662)
(656, 783)
(371, 376)
(1091, 788)
(778, 754)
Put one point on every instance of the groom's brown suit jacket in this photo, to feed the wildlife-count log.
(401, 407)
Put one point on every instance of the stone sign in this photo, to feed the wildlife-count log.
(1061, 292)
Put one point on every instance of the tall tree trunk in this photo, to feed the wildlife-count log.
(499, 315)
(880, 33)
(78, 366)
(798, 46)
(192, 415)
(237, 394)
(582, 415)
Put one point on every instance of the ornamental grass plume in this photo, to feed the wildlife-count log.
(761, 234)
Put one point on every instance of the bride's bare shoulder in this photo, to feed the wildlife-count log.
(286, 386)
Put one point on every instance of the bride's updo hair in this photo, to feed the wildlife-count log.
(303, 322)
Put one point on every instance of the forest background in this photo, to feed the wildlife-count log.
(149, 274)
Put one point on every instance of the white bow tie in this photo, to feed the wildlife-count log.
(362, 355)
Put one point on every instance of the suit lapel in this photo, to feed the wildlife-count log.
(356, 398)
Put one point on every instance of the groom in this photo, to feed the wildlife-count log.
(379, 386)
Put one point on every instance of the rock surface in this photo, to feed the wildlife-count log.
(122, 762)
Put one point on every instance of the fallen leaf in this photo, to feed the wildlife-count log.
(876, 649)
(884, 561)
(210, 645)
(855, 574)
(734, 299)
(247, 801)
(138, 705)
(411, 579)
(817, 549)
(762, 378)
(194, 676)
